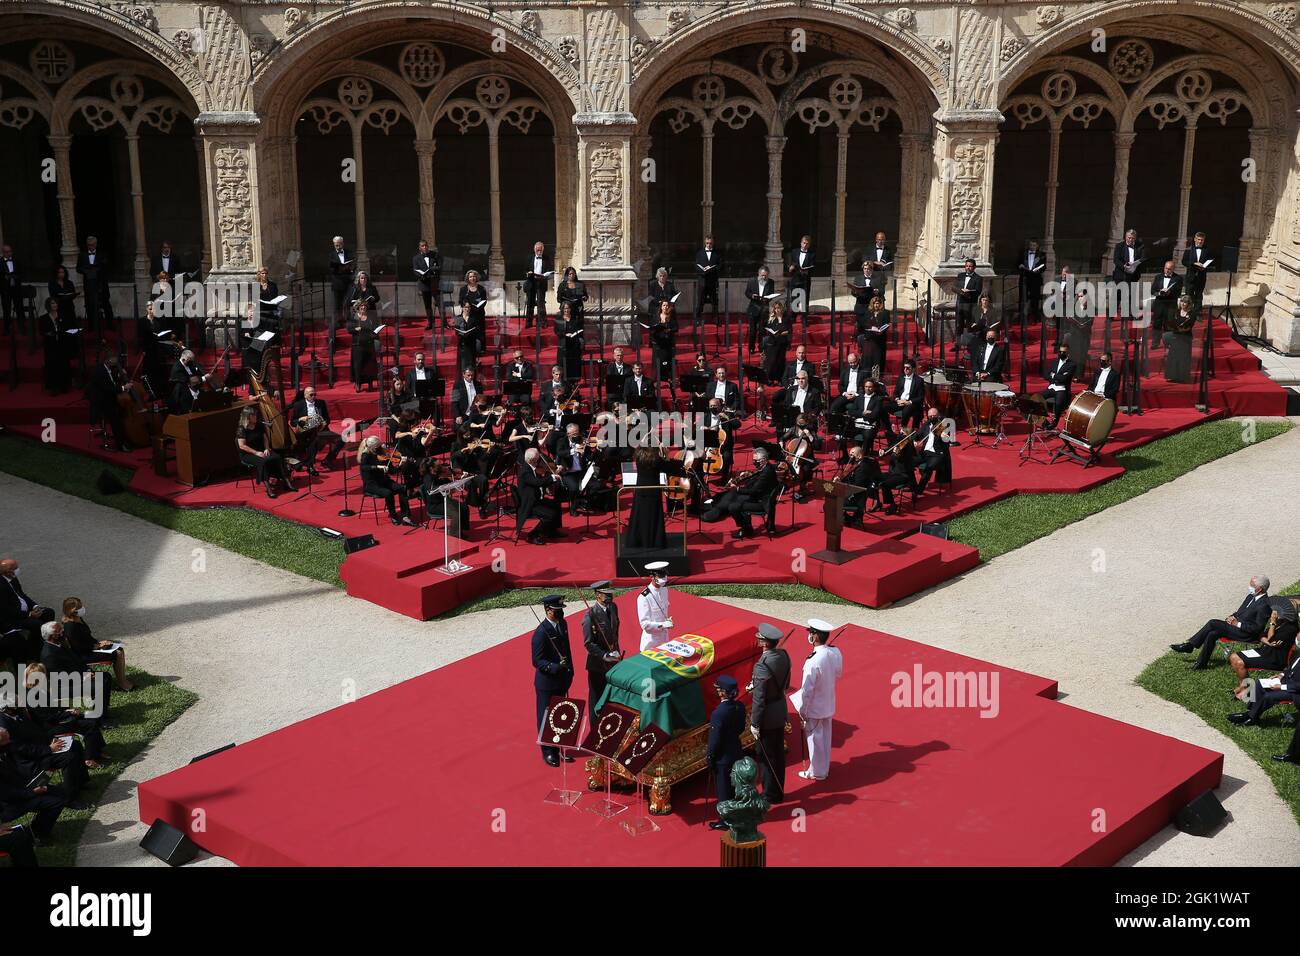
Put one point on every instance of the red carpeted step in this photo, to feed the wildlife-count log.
(395, 576)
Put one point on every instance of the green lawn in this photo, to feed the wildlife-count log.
(1206, 694)
(1006, 525)
(137, 717)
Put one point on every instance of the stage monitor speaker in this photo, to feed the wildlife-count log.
(1293, 401)
(937, 530)
(1229, 258)
(109, 484)
(1201, 816)
(169, 844)
(359, 543)
(212, 753)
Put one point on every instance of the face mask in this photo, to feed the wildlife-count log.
(18, 573)
(80, 612)
(661, 582)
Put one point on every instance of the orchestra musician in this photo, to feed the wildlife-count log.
(341, 264)
(470, 336)
(871, 413)
(1105, 381)
(909, 397)
(165, 263)
(902, 472)
(520, 369)
(1177, 338)
(1031, 268)
(267, 293)
(309, 424)
(92, 266)
(397, 396)
(726, 423)
(617, 366)
(60, 287)
(573, 291)
(708, 267)
(536, 477)
(801, 264)
(662, 290)
(799, 399)
(1059, 379)
(1128, 258)
(882, 263)
(479, 453)
(463, 395)
(569, 329)
(747, 495)
(852, 375)
(536, 281)
(1197, 262)
(663, 342)
(427, 266)
(419, 381)
(640, 386)
(108, 382)
(571, 456)
(185, 395)
(255, 451)
(552, 392)
(433, 475)
(363, 366)
(725, 392)
(410, 439)
(800, 364)
(1168, 288)
(757, 292)
(521, 432)
(801, 443)
(475, 294)
(11, 286)
(980, 321)
(776, 341)
(934, 446)
(969, 286)
(363, 290)
(862, 470)
(59, 347)
(377, 483)
(988, 362)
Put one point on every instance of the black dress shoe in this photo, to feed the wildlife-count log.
(271, 492)
(535, 539)
(1182, 648)
(1286, 758)
(567, 758)
(551, 759)
(1199, 667)
(718, 825)
(892, 510)
(1242, 719)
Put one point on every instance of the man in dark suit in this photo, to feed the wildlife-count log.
(747, 499)
(1197, 262)
(552, 666)
(463, 395)
(184, 396)
(756, 292)
(18, 612)
(798, 397)
(20, 764)
(767, 718)
(852, 375)
(881, 257)
(106, 383)
(164, 264)
(92, 266)
(968, 286)
(1105, 381)
(533, 485)
(520, 369)
(988, 361)
(1059, 379)
(61, 662)
(727, 392)
(800, 364)
(420, 378)
(800, 268)
(427, 266)
(600, 638)
(1261, 694)
(1246, 625)
(865, 474)
(870, 414)
(1032, 267)
(637, 384)
(1167, 287)
(934, 451)
(723, 749)
(315, 437)
(708, 267)
(18, 843)
(11, 286)
(342, 264)
(909, 397)
(536, 282)
(1128, 258)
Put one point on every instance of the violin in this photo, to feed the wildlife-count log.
(738, 477)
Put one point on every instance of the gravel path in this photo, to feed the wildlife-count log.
(263, 648)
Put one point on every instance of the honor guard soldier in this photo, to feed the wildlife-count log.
(726, 725)
(767, 719)
(600, 637)
(817, 698)
(553, 664)
(652, 607)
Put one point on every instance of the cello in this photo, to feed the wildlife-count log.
(141, 418)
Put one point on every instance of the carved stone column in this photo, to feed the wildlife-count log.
(496, 259)
(137, 211)
(205, 262)
(565, 157)
(359, 197)
(230, 158)
(605, 215)
(1281, 319)
(62, 146)
(965, 142)
(774, 252)
(641, 255)
(839, 256)
(1253, 229)
(706, 189)
(424, 161)
(1184, 191)
(1053, 176)
(1118, 193)
(914, 181)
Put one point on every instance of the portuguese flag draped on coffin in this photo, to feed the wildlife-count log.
(672, 685)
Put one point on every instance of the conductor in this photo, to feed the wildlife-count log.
(553, 665)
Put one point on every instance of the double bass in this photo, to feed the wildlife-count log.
(142, 416)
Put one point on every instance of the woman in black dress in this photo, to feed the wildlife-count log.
(58, 349)
(475, 294)
(645, 525)
(362, 329)
(76, 632)
(569, 330)
(663, 340)
(267, 292)
(1178, 343)
(776, 341)
(158, 345)
(573, 291)
(363, 291)
(255, 451)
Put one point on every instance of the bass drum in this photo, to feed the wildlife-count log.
(1089, 419)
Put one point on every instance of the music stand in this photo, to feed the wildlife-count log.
(517, 392)
(562, 724)
(634, 758)
(604, 736)
(757, 375)
(450, 565)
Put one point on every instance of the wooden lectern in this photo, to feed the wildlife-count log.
(833, 512)
(205, 442)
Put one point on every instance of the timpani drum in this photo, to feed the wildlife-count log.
(979, 399)
(943, 395)
(1089, 419)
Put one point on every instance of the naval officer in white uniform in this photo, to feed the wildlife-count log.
(817, 698)
(652, 607)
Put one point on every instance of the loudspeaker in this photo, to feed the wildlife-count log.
(211, 753)
(937, 530)
(359, 543)
(1201, 815)
(1293, 401)
(169, 844)
(1229, 257)
(108, 484)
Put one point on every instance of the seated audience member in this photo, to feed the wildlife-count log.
(18, 612)
(77, 634)
(1275, 644)
(23, 762)
(53, 720)
(62, 662)
(1261, 693)
(19, 843)
(1245, 625)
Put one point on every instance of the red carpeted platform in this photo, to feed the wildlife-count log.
(443, 770)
